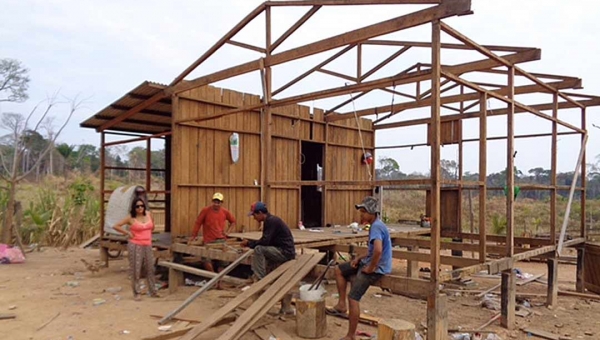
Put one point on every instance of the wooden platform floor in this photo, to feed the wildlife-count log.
(319, 237)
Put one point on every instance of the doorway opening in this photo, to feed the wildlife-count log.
(311, 196)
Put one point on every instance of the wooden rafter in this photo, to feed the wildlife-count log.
(258, 10)
(444, 45)
(309, 72)
(383, 63)
(511, 101)
(138, 108)
(426, 75)
(294, 27)
(350, 2)
(444, 10)
(246, 46)
(496, 112)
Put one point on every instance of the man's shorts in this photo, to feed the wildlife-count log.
(361, 282)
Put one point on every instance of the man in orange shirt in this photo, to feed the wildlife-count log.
(211, 225)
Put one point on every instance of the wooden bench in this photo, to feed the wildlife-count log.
(176, 271)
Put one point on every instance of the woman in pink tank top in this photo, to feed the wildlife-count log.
(140, 245)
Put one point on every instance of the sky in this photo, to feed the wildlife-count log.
(99, 50)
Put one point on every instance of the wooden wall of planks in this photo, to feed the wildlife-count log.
(201, 162)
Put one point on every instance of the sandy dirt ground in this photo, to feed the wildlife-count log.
(47, 307)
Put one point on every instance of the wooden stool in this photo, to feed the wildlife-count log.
(395, 329)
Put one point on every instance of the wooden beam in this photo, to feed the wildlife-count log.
(445, 45)
(444, 10)
(552, 297)
(482, 176)
(456, 261)
(426, 75)
(510, 101)
(206, 287)
(336, 74)
(295, 26)
(246, 46)
(508, 299)
(435, 153)
(138, 108)
(510, 166)
(475, 114)
(460, 37)
(563, 230)
(258, 10)
(309, 72)
(383, 63)
(349, 2)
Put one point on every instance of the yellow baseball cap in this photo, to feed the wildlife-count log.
(218, 196)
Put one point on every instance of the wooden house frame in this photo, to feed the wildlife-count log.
(196, 109)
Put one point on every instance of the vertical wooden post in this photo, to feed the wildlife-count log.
(583, 176)
(460, 146)
(168, 181)
(552, 298)
(510, 166)
(266, 116)
(325, 193)
(580, 283)
(482, 176)
(436, 303)
(507, 299)
(103, 251)
(176, 279)
(148, 164)
(553, 161)
(412, 266)
(358, 62)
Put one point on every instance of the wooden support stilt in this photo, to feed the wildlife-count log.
(552, 298)
(580, 285)
(412, 267)
(175, 280)
(437, 316)
(394, 329)
(507, 299)
(104, 256)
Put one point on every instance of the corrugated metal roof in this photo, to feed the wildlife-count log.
(154, 119)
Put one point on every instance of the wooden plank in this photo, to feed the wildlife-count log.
(200, 272)
(237, 301)
(279, 333)
(542, 334)
(447, 9)
(206, 287)
(6, 316)
(272, 295)
(552, 298)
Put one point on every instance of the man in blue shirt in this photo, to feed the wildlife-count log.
(368, 268)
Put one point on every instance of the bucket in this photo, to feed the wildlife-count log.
(311, 295)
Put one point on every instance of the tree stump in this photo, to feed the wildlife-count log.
(395, 329)
(311, 319)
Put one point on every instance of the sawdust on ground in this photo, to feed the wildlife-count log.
(38, 291)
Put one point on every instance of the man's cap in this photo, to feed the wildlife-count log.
(370, 204)
(257, 207)
(218, 196)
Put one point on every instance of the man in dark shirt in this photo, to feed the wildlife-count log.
(276, 245)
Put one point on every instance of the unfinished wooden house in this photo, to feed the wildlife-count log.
(282, 143)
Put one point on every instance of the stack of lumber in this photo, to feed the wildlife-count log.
(281, 281)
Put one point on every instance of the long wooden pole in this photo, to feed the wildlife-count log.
(482, 176)
(563, 230)
(583, 176)
(206, 287)
(435, 302)
(553, 164)
(510, 166)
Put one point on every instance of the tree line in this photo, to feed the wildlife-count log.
(388, 168)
